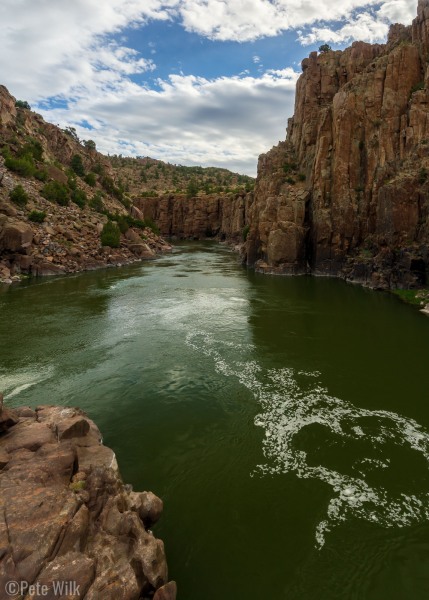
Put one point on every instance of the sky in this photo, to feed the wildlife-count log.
(190, 82)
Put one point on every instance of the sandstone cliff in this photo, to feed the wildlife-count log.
(66, 518)
(67, 238)
(347, 193)
(222, 216)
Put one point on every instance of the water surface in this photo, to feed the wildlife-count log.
(284, 421)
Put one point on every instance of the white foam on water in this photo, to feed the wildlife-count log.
(288, 406)
(12, 385)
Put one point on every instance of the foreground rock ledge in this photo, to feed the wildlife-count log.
(66, 515)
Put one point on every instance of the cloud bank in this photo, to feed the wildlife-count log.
(224, 122)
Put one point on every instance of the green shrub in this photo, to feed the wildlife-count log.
(290, 180)
(122, 222)
(110, 235)
(245, 232)
(96, 202)
(77, 165)
(22, 166)
(423, 175)
(90, 144)
(91, 179)
(37, 216)
(41, 174)
(77, 486)
(54, 191)
(325, 48)
(79, 197)
(152, 225)
(22, 104)
(110, 187)
(5, 152)
(192, 189)
(33, 148)
(71, 180)
(301, 177)
(19, 196)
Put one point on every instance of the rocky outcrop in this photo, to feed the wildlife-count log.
(67, 519)
(7, 107)
(223, 217)
(347, 193)
(68, 239)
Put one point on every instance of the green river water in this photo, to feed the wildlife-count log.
(284, 421)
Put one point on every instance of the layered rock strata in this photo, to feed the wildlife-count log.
(66, 517)
(347, 193)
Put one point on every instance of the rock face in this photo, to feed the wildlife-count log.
(68, 239)
(66, 518)
(347, 193)
(224, 217)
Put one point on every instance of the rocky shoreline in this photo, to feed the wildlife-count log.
(69, 526)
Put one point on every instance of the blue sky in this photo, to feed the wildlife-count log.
(207, 82)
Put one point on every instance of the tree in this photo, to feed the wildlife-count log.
(22, 104)
(71, 131)
(192, 189)
(325, 48)
(90, 144)
(111, 235)
(77, 165)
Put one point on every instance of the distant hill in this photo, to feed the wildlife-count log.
(151, 177)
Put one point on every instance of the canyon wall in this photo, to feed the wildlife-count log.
(221, 216)
(347, 193)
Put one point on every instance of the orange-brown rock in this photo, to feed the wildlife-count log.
(347, 194)
(68, 240)
(66, 517)
(199, 217)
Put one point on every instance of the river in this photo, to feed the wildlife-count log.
(284, 421)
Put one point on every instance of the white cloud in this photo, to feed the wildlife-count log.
(191, 120)
(248, 20)
(365, 27)
(51, 47)
(76, 52)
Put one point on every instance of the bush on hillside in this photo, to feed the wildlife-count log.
(37, 216)
(19, 196)
(96, 202)
(22, 166)
(79, 197)
(41, 174)
(77, 165)
(54, 191)
(22, 104)
(110, 235)
(90, 179)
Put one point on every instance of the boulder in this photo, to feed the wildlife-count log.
(66, 516)
(166, 592)
(15, 236)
